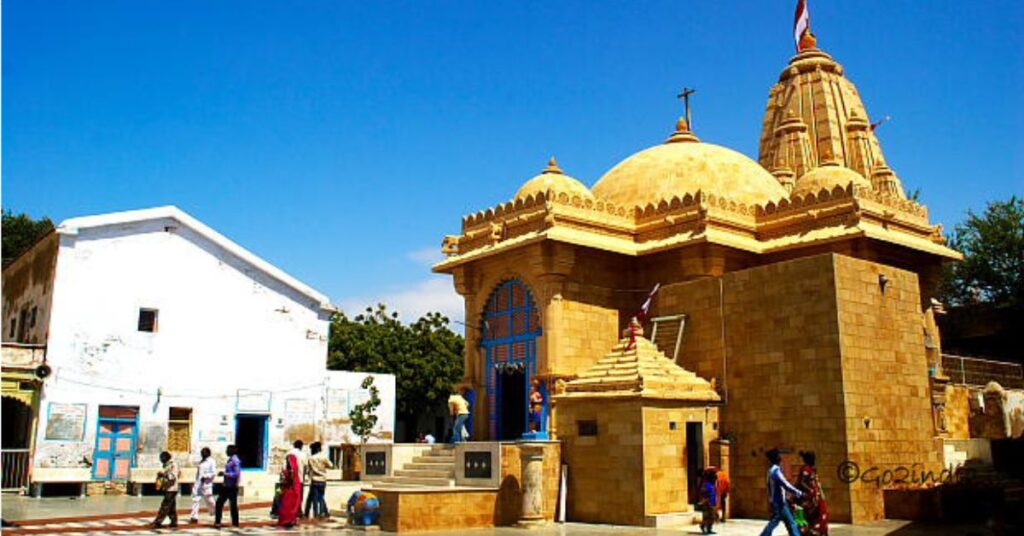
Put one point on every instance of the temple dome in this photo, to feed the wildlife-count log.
(828, 177)
(683, 165)
(553, 178)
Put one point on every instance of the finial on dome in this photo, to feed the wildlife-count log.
(682, 133)
(553, 167)
(808, 40)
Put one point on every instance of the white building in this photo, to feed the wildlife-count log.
(163, 334)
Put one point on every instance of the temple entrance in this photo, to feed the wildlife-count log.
(511, 325)
(512, 403)
(251, 440)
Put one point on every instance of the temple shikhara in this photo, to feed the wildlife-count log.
(794, 311)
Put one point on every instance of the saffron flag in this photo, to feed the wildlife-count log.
(801, 22)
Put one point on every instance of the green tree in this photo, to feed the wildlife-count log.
(993, 267)
(20, 231)
(364, 416)
(425, 357)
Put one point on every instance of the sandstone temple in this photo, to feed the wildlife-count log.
(794, 311)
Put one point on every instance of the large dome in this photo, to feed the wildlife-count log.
(553, 178)
(682, 165)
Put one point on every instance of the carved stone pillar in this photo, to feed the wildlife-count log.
(532, 461)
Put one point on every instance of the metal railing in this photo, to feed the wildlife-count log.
(14, 468)
(978, 372)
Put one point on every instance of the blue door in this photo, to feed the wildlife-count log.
(511, 325)
(117, 434)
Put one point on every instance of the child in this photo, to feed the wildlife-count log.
(708, 502)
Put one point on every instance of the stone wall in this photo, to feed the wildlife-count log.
(665, 477)
(885, 376)
(958, 411)
(605, 483)
(783, 385)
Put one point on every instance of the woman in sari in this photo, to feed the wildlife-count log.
(813, 500)
(291, 488)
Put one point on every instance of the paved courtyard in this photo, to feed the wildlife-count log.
(130, 515)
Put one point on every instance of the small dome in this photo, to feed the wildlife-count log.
(827, 177)
(553, 178)
(683, 165)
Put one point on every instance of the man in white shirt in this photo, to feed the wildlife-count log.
(202, 490)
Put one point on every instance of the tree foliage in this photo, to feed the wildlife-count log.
(364, 415)
(425, 357)
(993, 267)
(20, 231)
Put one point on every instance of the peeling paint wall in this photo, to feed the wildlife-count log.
(222, 326)
(28, 292)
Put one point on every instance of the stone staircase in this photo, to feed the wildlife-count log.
(435, 468)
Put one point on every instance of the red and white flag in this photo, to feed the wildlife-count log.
(646, 307)
(801, 22)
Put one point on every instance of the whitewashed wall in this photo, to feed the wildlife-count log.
(223, 325)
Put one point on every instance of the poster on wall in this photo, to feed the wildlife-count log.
(249, 400)
(298, 410)
(66, 422)
(337, 404)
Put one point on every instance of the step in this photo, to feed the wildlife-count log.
(435, 482)
(450, 460)
(426, 473)
(426, 465)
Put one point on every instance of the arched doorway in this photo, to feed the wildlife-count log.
(511, 325)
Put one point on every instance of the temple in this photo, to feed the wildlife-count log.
(794, 311)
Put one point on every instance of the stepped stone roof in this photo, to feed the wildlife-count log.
(636, 368)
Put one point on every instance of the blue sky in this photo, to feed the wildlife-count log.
(341, 140)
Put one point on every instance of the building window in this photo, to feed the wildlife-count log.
(179, 430)
(32, 317)
(14, 328)
(147, 320)
(586, 428)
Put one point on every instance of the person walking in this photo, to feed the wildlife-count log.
(777, 488)
(229, 490)
(724, 486)
(291, 488)
(202, 489)
(316, 473)
(459, 408)
(814, 504)
(167, 483)
(708, 502)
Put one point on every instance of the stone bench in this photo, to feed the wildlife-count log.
(59, 475)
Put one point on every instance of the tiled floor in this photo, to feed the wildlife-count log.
(124, 515)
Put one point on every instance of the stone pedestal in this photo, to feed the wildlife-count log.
(532, 459)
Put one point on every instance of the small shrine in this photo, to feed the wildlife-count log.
(637, 422)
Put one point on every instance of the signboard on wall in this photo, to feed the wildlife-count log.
(253, 401)
(299, 410)
(66, 422)
(337, 404)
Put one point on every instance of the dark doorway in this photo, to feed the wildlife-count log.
(512, 404)
(17, 424)
(694, 459)
(251, 440)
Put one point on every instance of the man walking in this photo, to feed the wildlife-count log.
(167, 483)
(229, 491)
(459, 408)
(202, 490)
(316, 472)
(777, 488)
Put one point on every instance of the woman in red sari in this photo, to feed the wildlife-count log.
(291, 488)
(813, 501)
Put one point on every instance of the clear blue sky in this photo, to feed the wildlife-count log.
(341, 140)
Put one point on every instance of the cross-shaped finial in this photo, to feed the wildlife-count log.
(685, 95)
